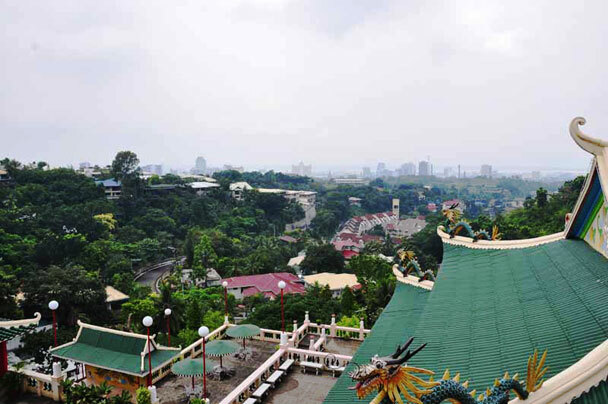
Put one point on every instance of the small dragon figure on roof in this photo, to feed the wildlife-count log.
(409, 265)
(455, 227)
(392, 378)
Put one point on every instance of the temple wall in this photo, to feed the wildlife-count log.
(597, 232)
(119, 381)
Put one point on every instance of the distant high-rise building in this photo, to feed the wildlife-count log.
(302, 170)
(448, 172)
(84, 164)
(200, 166)
(424, 168)
(381, 169)
(486, 170)
(407, 169)
(367, 172)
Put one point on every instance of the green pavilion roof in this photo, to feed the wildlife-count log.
(10, 329)
(490, 309)
(6, 334)
(113, 350)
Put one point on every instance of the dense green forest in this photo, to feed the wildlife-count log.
(60, 238)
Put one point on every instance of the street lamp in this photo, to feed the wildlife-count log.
(167, 315)
(282, 286)
(203, 332)
(225, 285)
(54, 305)
(147, 322)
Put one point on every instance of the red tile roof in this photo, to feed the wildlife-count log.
(288, 239)
(266, 284)
(348, 254)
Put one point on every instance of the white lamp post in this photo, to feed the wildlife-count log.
(225, 285)
(282, 286)
(167, 315)
(54, 305)
(203, 332)
(147, 322)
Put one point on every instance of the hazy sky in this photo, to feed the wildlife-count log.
(330, 82)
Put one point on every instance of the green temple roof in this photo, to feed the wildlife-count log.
(10, 329)
(6, 334)
(490, 309)
(597, 395)
(404, 310)
(112, 350)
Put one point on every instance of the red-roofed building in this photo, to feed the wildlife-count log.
(348, 254)
(267, 284)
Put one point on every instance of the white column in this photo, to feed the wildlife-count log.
(56, 379)
(295, 333)
(332, 327)
(306, 318)
(361, 328)
(153, 397)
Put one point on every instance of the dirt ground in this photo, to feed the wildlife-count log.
(171, 389)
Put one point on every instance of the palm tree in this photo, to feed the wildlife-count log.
(124, 398)
(167, 300)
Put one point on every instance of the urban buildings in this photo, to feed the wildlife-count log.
(351, 181)
(486, 170)
(155, 169)
(407, 169)
(425, 168)
(200, 166)
(112, 188)
(238, 189)
(367, 172)
(228, 167)
(302, 170)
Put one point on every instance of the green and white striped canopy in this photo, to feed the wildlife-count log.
(243, 331)
(192, 367)
(220, 347)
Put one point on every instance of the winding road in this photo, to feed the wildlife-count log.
(149, 276)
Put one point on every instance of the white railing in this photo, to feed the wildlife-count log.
(196, 348)
(41, 384)
(253, 381)
(269, 335)
(329, 360)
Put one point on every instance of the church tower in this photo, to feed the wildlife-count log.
(396, 207)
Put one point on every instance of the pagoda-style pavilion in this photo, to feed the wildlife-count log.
(492, 304)
(118, 358)
(10, 329)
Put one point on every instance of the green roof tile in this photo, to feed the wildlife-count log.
(491, 308)
(8, 333)
(112, 351)
(597, 395)
(403, 310)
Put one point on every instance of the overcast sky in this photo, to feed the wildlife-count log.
(267, 83)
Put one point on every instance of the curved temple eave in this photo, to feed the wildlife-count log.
(497, 244)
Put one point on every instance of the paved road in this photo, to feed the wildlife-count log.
(154, 272)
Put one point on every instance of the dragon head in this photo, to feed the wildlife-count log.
(452, 213)
(390, 375)
(406, 256)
